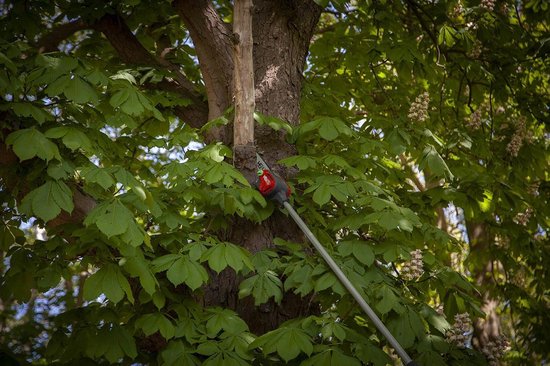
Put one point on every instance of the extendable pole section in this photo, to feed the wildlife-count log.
(275, 188)
(349, 286)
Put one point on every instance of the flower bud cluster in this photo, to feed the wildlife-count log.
(413, 269)
(459, 332)
(523, 218)
(495, 349)
(419, 108)
(474, 122)
(476, 50)
(518, 138)
(489, 5)
(458, 10)
(533, 188)
(504, 8)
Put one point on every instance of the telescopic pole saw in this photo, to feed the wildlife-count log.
(275, 188)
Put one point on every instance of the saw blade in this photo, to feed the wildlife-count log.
(262, 165)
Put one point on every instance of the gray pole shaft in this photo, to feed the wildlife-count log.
(349, 286)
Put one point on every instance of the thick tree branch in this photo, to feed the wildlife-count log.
(50, 41)
(212, 39)
(131, 51)
(195, 114)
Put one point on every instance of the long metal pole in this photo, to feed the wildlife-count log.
(349, 286)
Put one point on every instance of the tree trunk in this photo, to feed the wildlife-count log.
(281, 34)
(481, 240)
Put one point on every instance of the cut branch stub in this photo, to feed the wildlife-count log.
(243, 77)
(243, 130)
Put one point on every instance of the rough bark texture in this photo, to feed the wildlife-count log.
(281, 32)
(212, 39)
(50, 42)
(243, 76)
(488, 329)
(243, 126)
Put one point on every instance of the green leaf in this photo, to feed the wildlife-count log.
(176, 354)
(330, 128)
(163, 263)
(132, 102)
(110, 281)
(222, 255)
(288, 342)
(119, 97)
(328, 131)
(339, 358)
(125, 341)
(389, 300)
(134, 235)
(197, 275)
(432, 160)
(302, 340)
(23, 109)
(138, 266)
(322, 194)
(178, 272)
(320, 359)
(302, 162)
(73, 137)
(47, 201)
(273, 122)
(360, 250)
(446, 36)
(402, 330)
(79, 91)
(156, 322)
(97, 175)
(287, 348)
(30, 142)
(8, 235)
(60, 170)
(373, 353)
(327, 280)
(114, 218)
(224, 319)
(58, 86)
(262, 287)
(363, 253)
(214, 174)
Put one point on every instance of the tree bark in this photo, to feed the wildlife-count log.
(212, 40)
(481, 240)
(243, 76)
(243, 127)
(281, 31)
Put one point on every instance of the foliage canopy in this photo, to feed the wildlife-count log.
(422, 130)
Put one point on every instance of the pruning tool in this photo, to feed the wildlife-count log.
(273, 187)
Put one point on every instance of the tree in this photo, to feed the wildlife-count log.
(413, 134)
